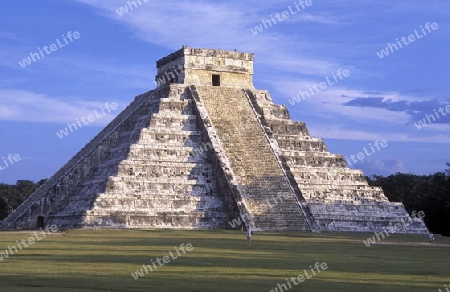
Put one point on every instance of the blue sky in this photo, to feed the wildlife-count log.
(113, 60)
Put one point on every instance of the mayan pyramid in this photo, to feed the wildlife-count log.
(202, 149)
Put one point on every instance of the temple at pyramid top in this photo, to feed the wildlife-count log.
(206, 67)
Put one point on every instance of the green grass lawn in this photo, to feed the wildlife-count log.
(103, 260)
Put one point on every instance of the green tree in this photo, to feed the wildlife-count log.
(427, 193)
(11, 196)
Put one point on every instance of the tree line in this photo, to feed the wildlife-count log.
(11, 196)
(427, 193)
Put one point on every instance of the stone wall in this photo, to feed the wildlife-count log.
(196, 66)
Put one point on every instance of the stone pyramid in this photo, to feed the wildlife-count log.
(205, 149)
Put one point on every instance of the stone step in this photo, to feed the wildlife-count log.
(132, 220)
(312, 170)
(310, 154)
(362, 225)
(321, 183)
(288, 127)
(306, 145)
(175, 105)
(298, 138)
(155, 180)
(329, 196)
(146, 184)
(174, 122)
(334, 162)
(168, 153)
(174, 139)
(336, 188)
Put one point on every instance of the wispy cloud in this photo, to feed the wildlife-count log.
(149, 23)
(21, 105)
(308, 17)
(415, 109)
(114, 73)
(382, 166)
(10, 36)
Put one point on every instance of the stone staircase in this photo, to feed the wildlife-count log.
(265, 190)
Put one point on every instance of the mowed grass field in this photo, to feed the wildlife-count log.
(103, 260)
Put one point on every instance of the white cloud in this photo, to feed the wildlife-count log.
(307, 17)
(174, 23)
(9, 36)
(21, 105)
(114, 73)
(381, 167)
(345, 131)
